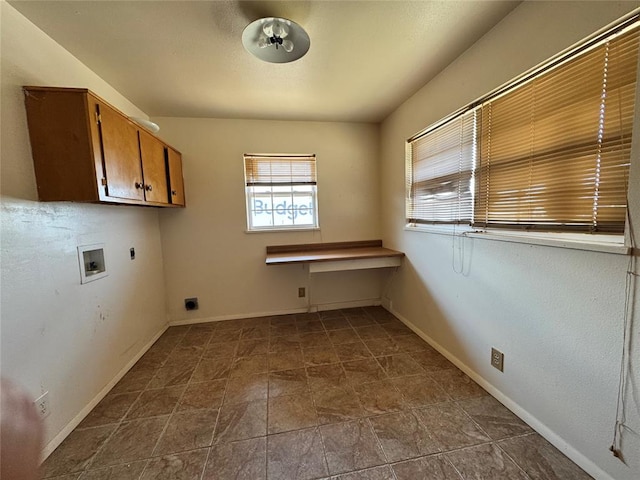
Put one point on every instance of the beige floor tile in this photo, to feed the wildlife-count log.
(363, 371)
(400, 365)
(411, 343)
(451, 426)
(314, 339)
(310, 326)
(245, 459)
(371, 331)
(420, 390)
(402, 436)
(320, 356)
(152, 403)
(375, 473)
(382, 346)
(494, 418)
(221, 350)
(212, 369)
(202, 395)
(288, 382)
(325, 376)
(351, 446)
(335, 323)
(240, 421)
(457, 385)
(344, 335)
(433, 468)
(283, 330)
(379, 397)
(174, 374)
(352, 351)
(246, 388)
(431, 360)
(541, 460)
(296, 455)
(485, 461)
(111, 409)
(285, 360)
(127, 471)
(76, 451)
(135, 380)
(246, 348)
(337, 404)
(132, 441)
(249, 365)
(252, 333)
(183, 466)
(187, 431)
(291, 412)
(360, 320)
(224, 335)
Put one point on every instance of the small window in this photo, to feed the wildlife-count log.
(281, 192)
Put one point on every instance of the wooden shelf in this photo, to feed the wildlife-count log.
(325, 257)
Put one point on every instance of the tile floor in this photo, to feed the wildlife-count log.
(345, 394)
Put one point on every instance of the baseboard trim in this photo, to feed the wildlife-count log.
(557, 441)
(64, 433)
(314, 308)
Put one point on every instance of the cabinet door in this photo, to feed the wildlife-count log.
(154, 168)
(176, 184)
(121, 155)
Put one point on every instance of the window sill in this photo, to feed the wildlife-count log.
(604, 244)
(281, 230)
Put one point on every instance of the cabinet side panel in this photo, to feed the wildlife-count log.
(176, 183)
(60, 145)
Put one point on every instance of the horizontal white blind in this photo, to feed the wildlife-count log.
(272, 170)
(554, 151)
(442, 163)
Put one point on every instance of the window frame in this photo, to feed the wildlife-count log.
(306, 186)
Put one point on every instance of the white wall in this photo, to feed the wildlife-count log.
(209, 255)
(556, 313)
(56, 334)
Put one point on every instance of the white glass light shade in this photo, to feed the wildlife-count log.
(263, 41)
(295, 46)
(148, 124)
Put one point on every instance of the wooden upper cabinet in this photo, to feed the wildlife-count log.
(176, 183)
(85, 150)
(121, 155)
(154, 168)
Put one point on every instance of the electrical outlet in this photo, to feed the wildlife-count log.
(497, 359)
(302, 292)
(42, 405)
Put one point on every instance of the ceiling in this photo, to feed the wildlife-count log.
(185, 58)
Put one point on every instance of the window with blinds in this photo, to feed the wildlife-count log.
(550, 151)
(281, 191)
(442, 171)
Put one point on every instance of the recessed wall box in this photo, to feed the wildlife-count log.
(92, 262)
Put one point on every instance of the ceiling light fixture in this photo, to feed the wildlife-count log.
(275, 40)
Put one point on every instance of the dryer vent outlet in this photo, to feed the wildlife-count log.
(191, 303)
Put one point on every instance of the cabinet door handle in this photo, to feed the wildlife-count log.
(139, 185)
(148, 187)
(173, 192)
